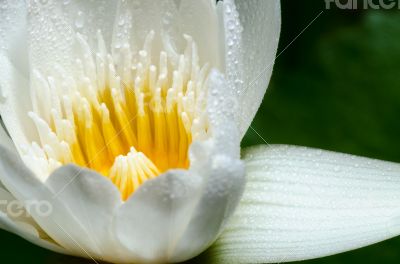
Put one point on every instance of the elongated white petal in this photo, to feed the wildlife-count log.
(5, 139)
(305, 203)
(15, 101)
(231, 35)
(13, 33)
(251, 41)
(222, 115)
(14, 69)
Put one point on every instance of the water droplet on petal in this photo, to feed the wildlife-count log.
(230, 42)
(231, 25)
(79, 21)
(121, 21)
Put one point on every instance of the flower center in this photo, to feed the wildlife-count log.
(120, 114)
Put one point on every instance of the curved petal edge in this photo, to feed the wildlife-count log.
(303, 203)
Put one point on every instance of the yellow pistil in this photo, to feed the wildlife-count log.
(130, 121)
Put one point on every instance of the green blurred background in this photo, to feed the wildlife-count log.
(336, 87)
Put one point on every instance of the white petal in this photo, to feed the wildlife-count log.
(87, 17)
(150, 221)
(250, 54)
(223, 184)
(60, 224)
(19, 224)
(170, 20)
(13, 33)
(177, 215)
(53, 26)
(92, 199)
(14, 89)
(200, 20)
(231, 37)
(224, 130)
(15, 102)
(5, 139)
(303, 203)
(135, 19)
(40, 33)
(14, 210)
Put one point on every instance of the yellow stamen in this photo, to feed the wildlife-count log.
(129, 121)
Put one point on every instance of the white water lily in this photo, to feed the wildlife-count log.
(149, 100)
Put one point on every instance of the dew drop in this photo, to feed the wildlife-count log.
(3, 5)
(230, 42)
(121, 21)
(231, 25)
(228, 9)
(79, 21)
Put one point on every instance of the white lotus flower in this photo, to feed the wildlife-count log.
(150, 100)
